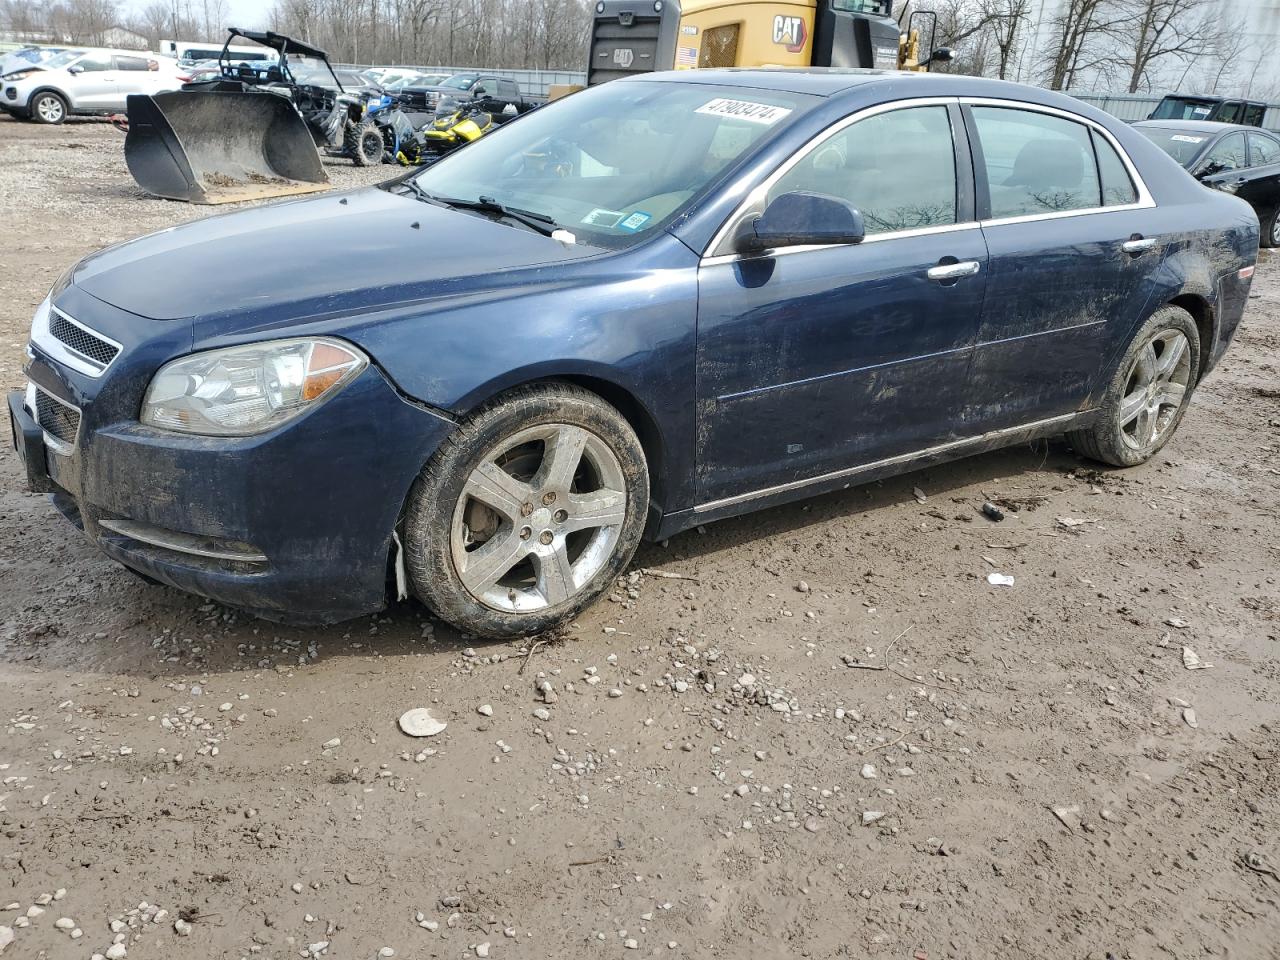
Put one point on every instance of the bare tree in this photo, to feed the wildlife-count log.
(1081, 31)
(1008, 22)
(1162, 30)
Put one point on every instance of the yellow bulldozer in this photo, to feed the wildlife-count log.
(637, 36)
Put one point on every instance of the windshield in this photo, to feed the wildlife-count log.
(62, 59)
(615, 161)
(1183, 108)
(1182, 145)
(462, 81)
(309, 70)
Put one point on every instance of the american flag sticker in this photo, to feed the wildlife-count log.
(686, 56)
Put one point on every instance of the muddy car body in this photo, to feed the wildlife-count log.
(489, 387)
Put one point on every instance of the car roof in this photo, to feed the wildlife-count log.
(1199, 126)
(873, 84)
(818, 81)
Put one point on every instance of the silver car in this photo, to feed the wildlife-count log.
(93, 81)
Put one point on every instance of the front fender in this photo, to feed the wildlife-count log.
(628, 323)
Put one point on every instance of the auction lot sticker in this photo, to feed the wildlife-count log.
(749, 110)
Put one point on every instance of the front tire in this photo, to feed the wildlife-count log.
(48, 107)
(363, 141)
(1148, 394)
(528, 512)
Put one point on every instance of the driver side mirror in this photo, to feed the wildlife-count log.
(800, 219)
(75, 70)
(1209, 169)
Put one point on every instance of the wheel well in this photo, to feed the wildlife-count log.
(1202, 313)
(54, 90)
(634, 412)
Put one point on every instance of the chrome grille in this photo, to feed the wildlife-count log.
(60, 420)
(81, 340)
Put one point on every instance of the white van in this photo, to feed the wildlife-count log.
(189, 52)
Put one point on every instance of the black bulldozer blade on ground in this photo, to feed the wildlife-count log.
(221, 147)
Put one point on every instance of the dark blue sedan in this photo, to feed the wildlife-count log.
(655, 303)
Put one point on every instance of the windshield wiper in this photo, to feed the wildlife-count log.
(539, 222)
(534, 221)
(417, 191)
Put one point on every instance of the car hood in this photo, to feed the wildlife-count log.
(312, 259)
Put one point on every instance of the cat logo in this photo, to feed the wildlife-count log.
(623, 57)
(789, 32)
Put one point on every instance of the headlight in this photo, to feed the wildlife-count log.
(251, 389)
(18, 75)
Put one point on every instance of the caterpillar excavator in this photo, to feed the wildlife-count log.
(637, 36)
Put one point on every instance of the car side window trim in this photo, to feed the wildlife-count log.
(1144, 201)
(720, 251)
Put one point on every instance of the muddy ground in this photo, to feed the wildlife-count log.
(163, 758)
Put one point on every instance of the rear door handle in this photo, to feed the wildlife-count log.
(954, 271)
(1138, 245)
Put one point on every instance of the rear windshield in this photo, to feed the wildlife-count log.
(1182, 145)
(1183, 108)
(614, 162)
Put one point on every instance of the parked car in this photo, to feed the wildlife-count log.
(489, 93)
(1176, 106)
(1227, 158)
(656, 303)
(415, 80)
(86, 82)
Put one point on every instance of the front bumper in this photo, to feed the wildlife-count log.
(293, 525)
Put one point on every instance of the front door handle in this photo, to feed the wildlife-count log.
(1138, 245)
(954, 271)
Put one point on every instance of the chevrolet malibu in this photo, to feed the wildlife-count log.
(656, 303)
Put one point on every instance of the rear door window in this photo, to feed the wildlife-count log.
(1117, 185)
(132, 63)
(1263, 150)
(1036, 163)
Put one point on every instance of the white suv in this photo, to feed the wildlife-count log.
(85, 81)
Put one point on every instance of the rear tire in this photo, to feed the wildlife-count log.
(364, 144)
(527, 512)
(1148, 393)
(48, 107)
(1269, 228)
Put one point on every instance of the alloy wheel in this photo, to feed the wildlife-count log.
(1155, 389)
(49, 109)
(538, 518)
(1275, 230)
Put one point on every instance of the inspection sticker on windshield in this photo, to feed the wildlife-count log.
(600, 217)
(1180, 138)
(748, 110)
(635, 221)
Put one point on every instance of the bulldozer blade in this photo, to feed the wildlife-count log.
(220, 147)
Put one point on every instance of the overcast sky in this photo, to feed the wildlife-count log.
(247, 14)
